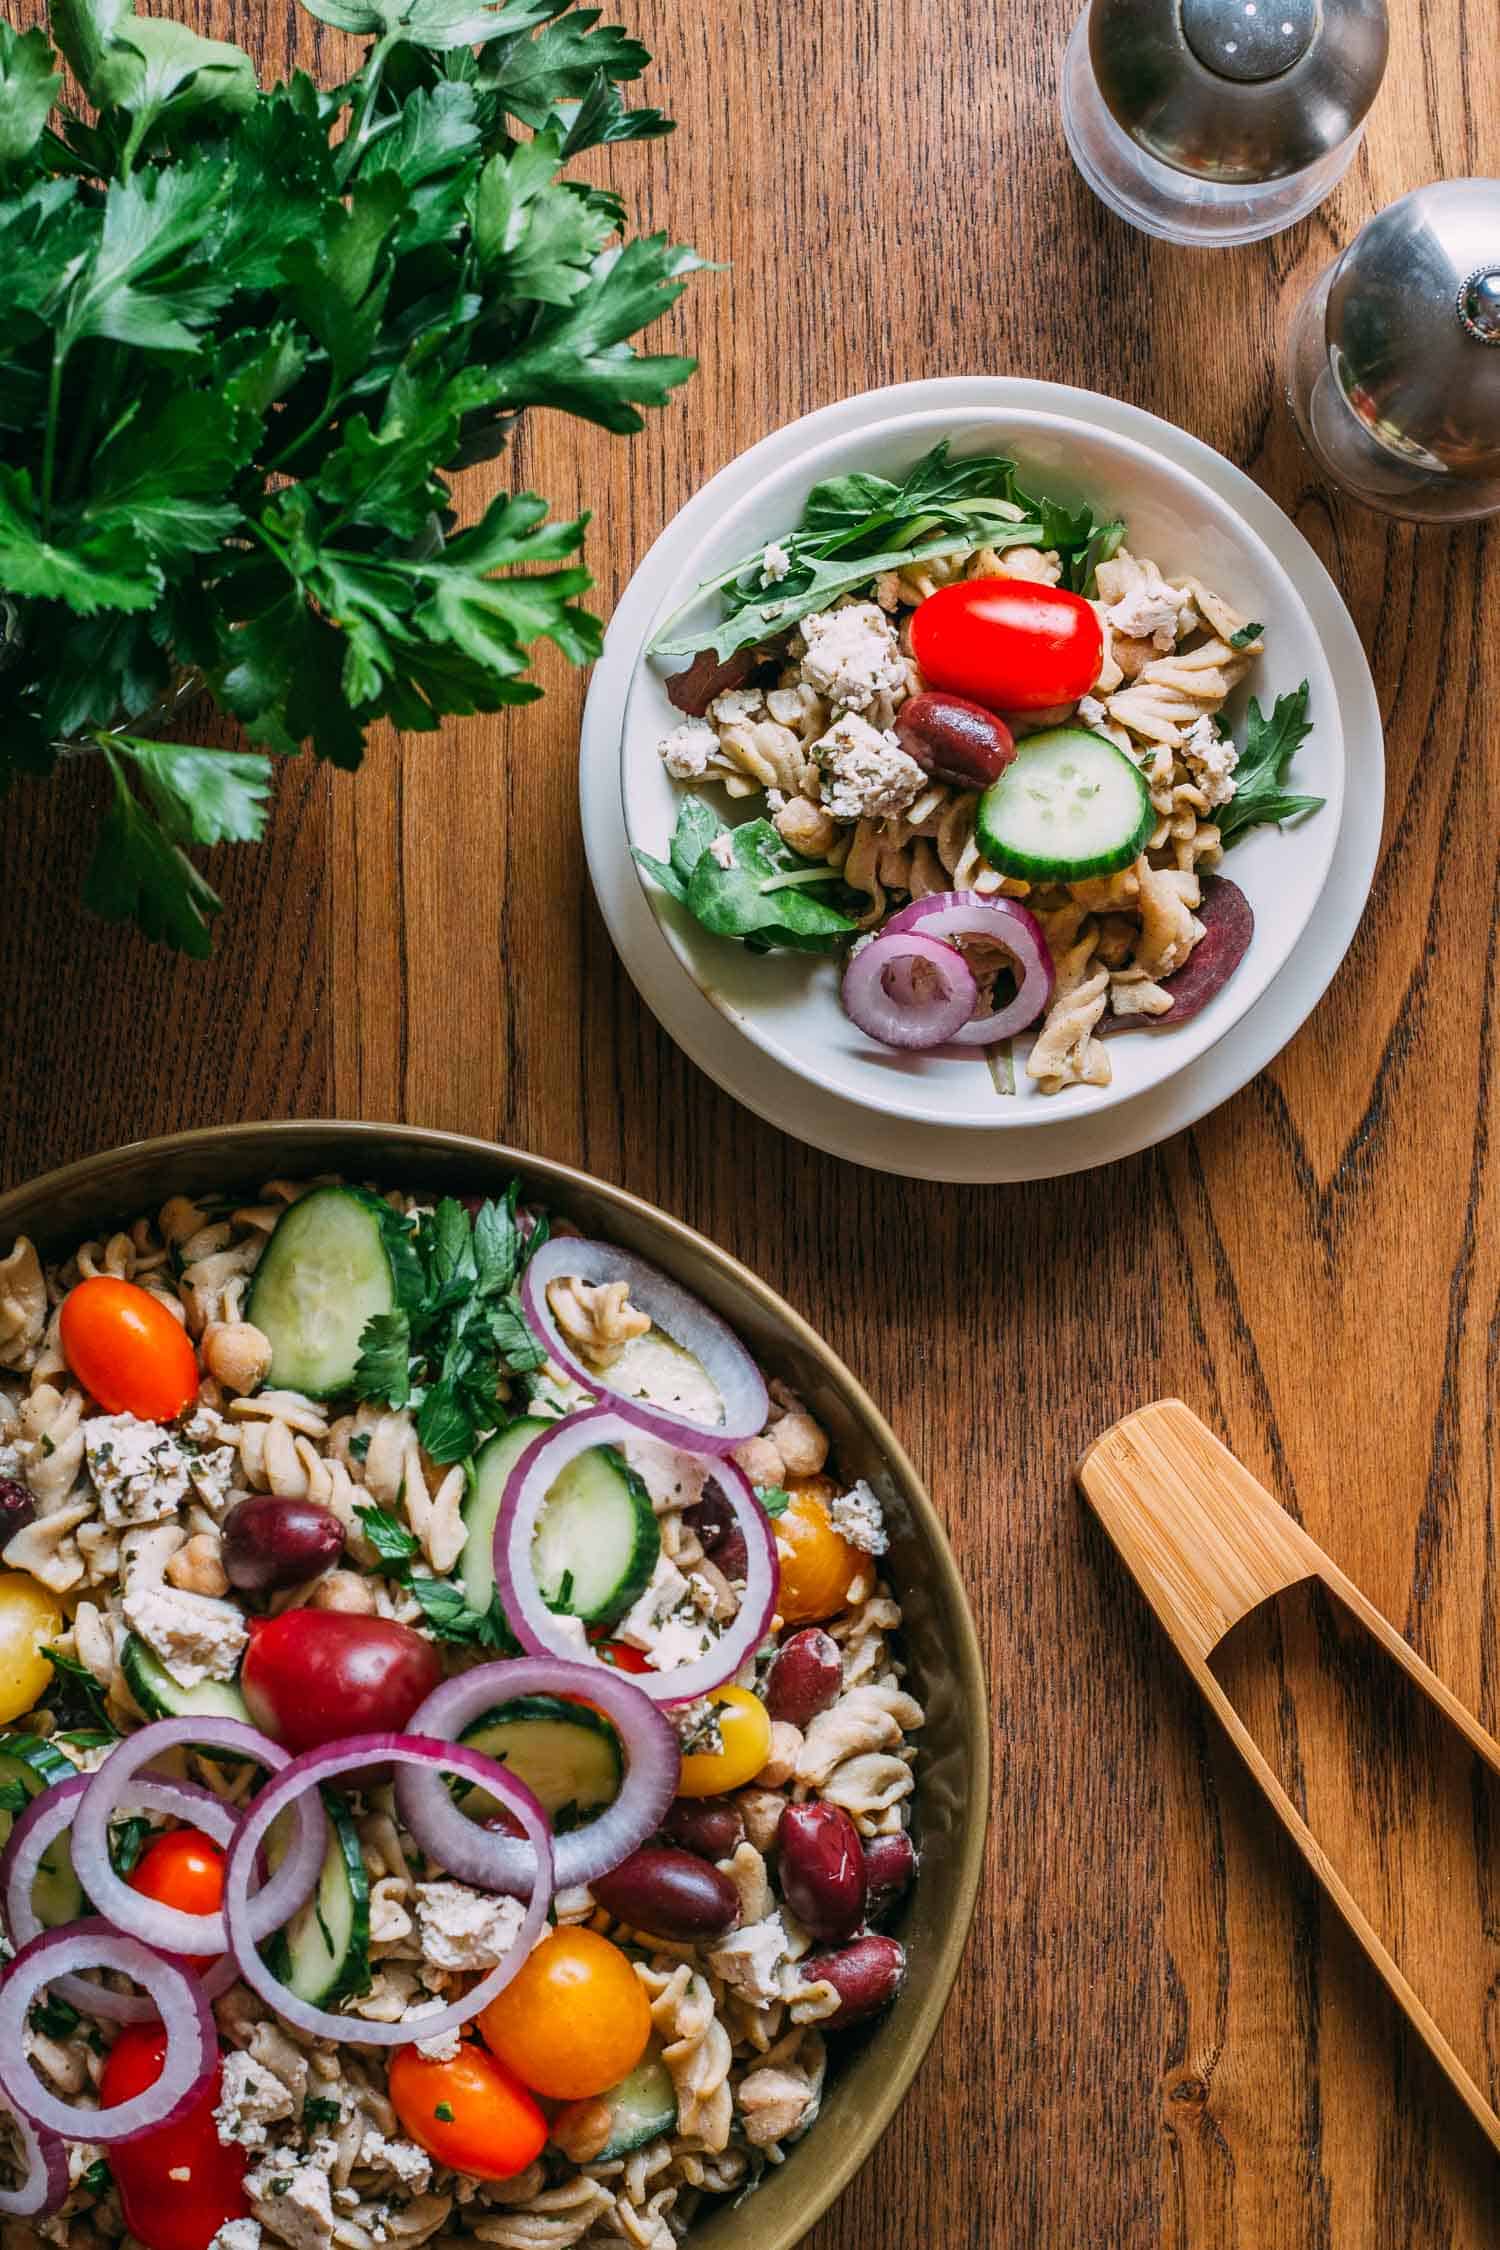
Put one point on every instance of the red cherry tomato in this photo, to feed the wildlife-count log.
(469, 2112)
(621, 1656)
(1007, 642)
(184, 1869)
(179, 2184)
(312, 1676)
(127, 1350)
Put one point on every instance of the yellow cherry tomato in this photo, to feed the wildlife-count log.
(745, 1725)
(30, 1621)
(817, 1564)
(574, 2021)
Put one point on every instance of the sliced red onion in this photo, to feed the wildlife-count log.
(541, 1631)
(43, 1821)
(506, 1863)
(192, 2055)
(45, 2182)
(897, 1013)
(168, 1927)
(302, 1779)
(958, 914)
(678, 1314)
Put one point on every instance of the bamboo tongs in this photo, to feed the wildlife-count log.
(1206, 1544)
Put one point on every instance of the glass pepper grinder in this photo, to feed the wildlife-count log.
(1392, 366)
(1219, 121)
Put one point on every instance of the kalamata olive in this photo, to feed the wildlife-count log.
(955, 740)
(1228, 921)
(710, 1826)
(890, 1864)
(866, 1976)
(313, 1676)
(669, 1894)
(270, 1543)
(822, 1869)
(17, 1508)
(806, 1674)
(723, 1541)
(708, 676)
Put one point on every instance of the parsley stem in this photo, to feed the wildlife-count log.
(359, 127)
(49, 440)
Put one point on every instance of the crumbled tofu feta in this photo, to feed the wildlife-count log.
(667, 1590)
(238, 2234)
(653, 1368)
(774, 563)
(1152, 611)
(857, 1515)
(852, 655)
(464, 1929)
(673, 1479)
(139, 1470)
(751, 1959)
(737, 706)
(1213, 758)
(683, 1639)
(1091, 712)
(722, 848)
(293, 2204)
(196, 1637)
(211, 1474)
(250, 2100)
(866, 773)
(402, 2161)
(446, 2045)
(686, 751)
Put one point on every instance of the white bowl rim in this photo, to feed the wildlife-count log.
(1204, 1033)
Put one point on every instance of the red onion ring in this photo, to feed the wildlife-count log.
(505, 1863)
(168, 1927)
(39, 1826)
(894, 1013)
(303, 1778)
(45, 2182)
(537, 1627)
(678, 1314)
(192, 2055)
(954, 914)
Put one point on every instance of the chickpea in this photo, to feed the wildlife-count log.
(343, 1590)
(198, 1567)
(236, 1354)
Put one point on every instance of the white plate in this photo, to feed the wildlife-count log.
(919, 1146)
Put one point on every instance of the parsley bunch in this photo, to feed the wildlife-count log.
(250, 332)
(458, 1328)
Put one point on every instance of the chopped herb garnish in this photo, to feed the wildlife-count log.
(97, 2179)
(54, 2019)
(1246, 637)
(319, 2110)
(444, 2113)
(127, 1840)
(359, 1445)
(774, 1498)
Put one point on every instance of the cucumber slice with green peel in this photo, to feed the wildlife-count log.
(162, 1697)
(641, 2108)
(323, 1954)
(28, 1763)
(492, 1466)
(596, 1544)
(1069, 805)
(325, 1273)
(597, 1541)
(567, 1755)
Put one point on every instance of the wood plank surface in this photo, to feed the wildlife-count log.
(1159, 2038)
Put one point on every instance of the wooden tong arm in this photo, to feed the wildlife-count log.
(1206, 1544)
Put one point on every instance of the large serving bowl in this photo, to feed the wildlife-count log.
(787, 1004)
(870, 2075)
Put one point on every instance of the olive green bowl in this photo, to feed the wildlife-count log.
(871, 2071)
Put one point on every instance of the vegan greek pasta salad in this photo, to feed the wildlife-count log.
(996, 775)
(456, 1760)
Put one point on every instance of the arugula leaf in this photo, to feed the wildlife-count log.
(29, 85)
(1270, 745)
(383, 1368)
(767, 893)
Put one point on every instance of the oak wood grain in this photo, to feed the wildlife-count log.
(1159, 2039)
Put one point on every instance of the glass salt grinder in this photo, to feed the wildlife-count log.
(1392, 365)
(1219, 121)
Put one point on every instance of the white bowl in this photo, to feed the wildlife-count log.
(787, 1004)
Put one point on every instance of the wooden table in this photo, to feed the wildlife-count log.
(1159, 2039)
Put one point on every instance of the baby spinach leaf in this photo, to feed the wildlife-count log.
(746, 883)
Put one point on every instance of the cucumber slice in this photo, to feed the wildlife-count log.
(161, 1697)
(641, 2108)
(597, 1542)
(492, 1466)
(323, 1954)
(568, 1756)
(325, 1273)
(1069, 805)
(34, 1765)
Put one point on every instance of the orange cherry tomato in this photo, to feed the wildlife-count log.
(127, 1350)
(574, 2021)
(817, 1564)
(180, 2183)
(469, 2112)
(184, 1869)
